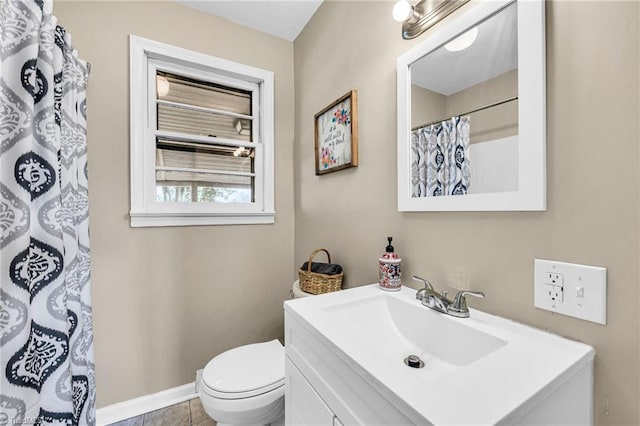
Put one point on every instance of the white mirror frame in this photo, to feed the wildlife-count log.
(531, 193)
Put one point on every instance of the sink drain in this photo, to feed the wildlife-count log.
(414, 361)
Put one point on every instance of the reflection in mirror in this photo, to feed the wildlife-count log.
(466, 95)
(464, 112)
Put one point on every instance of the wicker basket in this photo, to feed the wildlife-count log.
(315, 283)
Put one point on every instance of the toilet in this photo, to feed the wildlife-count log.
(245, 385)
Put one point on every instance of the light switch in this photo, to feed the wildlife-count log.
(570, 289)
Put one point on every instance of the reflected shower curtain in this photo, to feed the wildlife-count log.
(440, 159)
(46, 353)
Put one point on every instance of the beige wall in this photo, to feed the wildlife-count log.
(426, 106)
(166, 300)
(493, 123)
(593, 209)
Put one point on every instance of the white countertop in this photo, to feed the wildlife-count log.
(495, 388)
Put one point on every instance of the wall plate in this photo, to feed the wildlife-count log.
(578, 291)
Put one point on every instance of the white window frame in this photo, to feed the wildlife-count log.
(147, 56)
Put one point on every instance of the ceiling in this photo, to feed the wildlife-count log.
(494, 52)
(284, 19)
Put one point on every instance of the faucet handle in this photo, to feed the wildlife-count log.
(426, 282)
(420, 294)
(459, 306)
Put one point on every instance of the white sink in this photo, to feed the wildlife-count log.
(497, 369)
(397, 327)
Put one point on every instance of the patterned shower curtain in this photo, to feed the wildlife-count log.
(46, 353)
(440, 159)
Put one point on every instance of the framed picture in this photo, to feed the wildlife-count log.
(336, 135)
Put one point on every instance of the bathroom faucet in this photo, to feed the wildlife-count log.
(439, 302)
(430, 297)
(427, 287)
(459, 306)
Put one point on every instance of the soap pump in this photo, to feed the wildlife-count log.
(389, 268)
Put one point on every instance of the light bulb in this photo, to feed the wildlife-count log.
(402, 10)
(162, 86)
(462, 41)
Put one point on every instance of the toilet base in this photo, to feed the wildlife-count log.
(277, 422)
(265, 409)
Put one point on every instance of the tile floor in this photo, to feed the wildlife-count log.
(188, 413)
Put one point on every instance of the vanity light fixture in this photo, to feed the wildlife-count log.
(463, 41)
(404, 12)
(425, 14)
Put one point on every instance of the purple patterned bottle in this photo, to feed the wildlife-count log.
(389, 268)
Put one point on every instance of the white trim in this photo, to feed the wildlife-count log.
(144, 404)
(168, 52)
(531, 194)
(139, 220)
(145, 57)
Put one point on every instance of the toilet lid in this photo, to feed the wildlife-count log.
(246, 370)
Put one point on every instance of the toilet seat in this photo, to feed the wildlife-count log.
(241, 395)
(245, 372)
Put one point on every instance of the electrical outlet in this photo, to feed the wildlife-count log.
(553, 293)
(567, 288)
(554, 278)
(553, 289)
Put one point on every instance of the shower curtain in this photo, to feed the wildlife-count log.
(46, 340)
(440, 159)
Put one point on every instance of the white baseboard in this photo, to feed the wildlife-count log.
(144, 404)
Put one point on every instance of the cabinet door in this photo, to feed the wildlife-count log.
(303, 406)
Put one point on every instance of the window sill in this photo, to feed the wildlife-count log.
(146, 219)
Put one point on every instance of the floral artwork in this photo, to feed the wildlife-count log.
(336, 135)
(341, 116)
(328, 159)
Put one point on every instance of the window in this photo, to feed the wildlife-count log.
(201, 139)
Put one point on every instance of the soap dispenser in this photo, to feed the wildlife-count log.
(389, 268)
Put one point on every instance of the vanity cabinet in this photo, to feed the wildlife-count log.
(344, 366)
(303, 404)
(322, 389)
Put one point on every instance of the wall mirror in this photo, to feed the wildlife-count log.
(471, 113)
